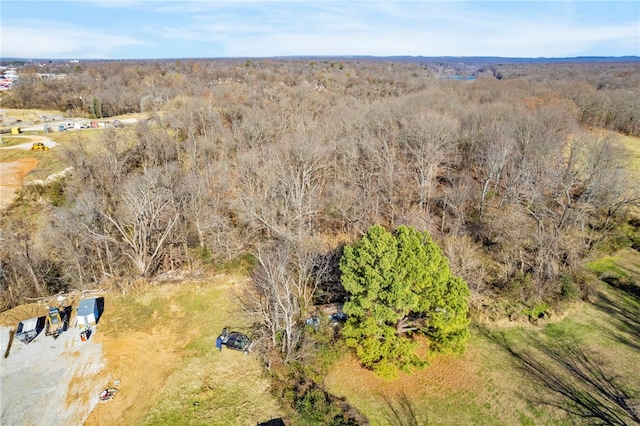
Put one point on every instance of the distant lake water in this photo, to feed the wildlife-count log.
(459, 77)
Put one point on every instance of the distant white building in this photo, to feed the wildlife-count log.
(8, 78)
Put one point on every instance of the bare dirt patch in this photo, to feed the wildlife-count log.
(156, 346)
(49, 381)
(13, 173)
(140, 363)
(12, 176)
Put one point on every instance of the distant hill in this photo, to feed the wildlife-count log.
(469, 60)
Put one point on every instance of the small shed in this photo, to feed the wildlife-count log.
(88, 312)
(16, 130)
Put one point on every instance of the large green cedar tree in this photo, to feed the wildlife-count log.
(400, 285)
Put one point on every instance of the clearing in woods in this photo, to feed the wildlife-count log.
(12, 176)
(583, 365)
(158, 344)
(14, 171)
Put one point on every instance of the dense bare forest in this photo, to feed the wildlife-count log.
(276, 167)
(287, 160)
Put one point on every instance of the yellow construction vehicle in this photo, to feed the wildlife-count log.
(57, 322)
(39, 146)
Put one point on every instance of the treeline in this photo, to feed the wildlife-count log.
(604, 93)
(287, 160)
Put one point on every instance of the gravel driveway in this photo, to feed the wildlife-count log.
(49, 382)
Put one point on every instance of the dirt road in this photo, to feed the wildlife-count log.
(12, 173)
(32, 139)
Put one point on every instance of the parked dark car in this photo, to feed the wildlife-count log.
(334, 319)
(338, 317)
(236, 341)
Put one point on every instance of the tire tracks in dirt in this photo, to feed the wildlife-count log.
(13, 173)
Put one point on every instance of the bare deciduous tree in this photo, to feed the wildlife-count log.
(144, 219)
(280, 187)
(282, 290)
(430, 142)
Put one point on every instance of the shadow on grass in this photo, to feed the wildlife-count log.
(567, 377)
(625, 313)
(627, 285)
(401, 411)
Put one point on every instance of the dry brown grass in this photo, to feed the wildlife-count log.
(451, 390)
(12, 114)
(632, 144)
(160, 343)
(11, 317)
(495, 382)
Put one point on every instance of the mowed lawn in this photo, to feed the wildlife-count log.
(581, 369)
(632, 144)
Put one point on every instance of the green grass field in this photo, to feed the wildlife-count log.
(632, 144)
(582, 369)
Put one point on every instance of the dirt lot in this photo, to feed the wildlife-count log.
(141, 364)
(65, 376)
(158, 344)
(12, 176)
(49, 381)
(12, 173)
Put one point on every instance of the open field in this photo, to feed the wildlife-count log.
(160, 344)
(10, 116)
(12, 141)
(19, 165)
(579, 369)
(632, 144)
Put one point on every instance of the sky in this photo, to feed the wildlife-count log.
(145, 29)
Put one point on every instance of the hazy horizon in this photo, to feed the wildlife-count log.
(138, 29)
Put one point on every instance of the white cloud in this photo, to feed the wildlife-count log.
(407, 28)
(53, 40)
(324, 27)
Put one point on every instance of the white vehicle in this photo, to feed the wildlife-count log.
(29, 329)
